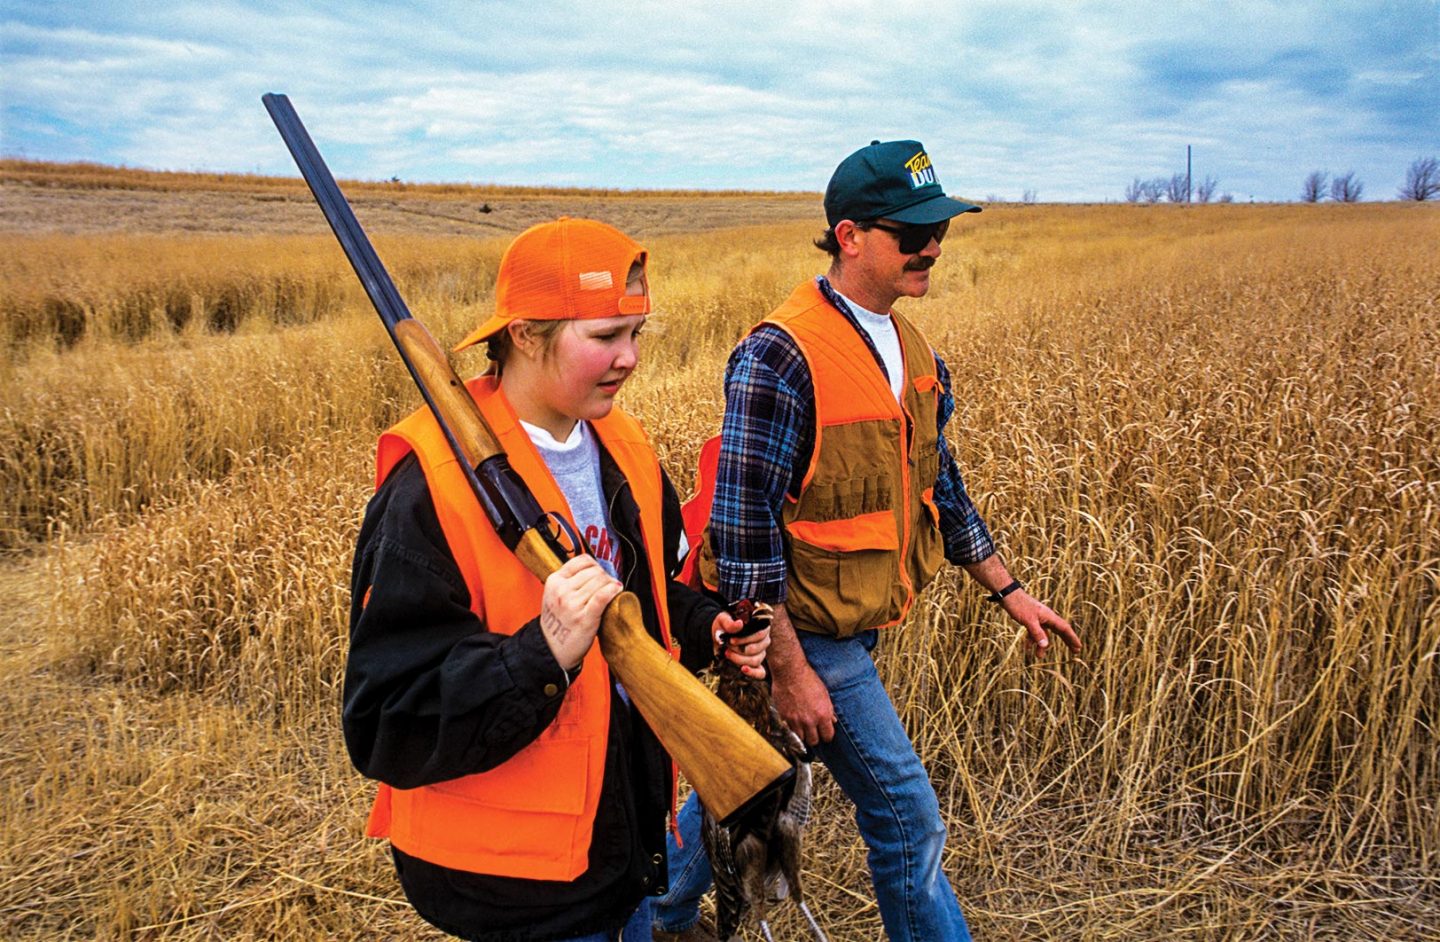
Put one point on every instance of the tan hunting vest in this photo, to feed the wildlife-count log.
(863, 538)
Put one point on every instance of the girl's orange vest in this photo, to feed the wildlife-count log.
(533, 815)
(863, 537)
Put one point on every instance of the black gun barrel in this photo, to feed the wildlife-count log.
(504, 503)
(353, 240)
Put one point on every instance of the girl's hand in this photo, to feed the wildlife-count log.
(748, 652)
(575, 596)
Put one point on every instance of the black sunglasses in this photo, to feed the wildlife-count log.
(913, 239)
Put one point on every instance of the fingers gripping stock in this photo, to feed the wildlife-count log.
(728, 763)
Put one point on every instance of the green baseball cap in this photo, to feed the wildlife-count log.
(894, 180)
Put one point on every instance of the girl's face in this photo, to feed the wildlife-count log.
(587, 363)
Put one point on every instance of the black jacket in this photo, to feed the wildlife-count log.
(430, 695)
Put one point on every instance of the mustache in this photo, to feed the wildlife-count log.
(919, 264)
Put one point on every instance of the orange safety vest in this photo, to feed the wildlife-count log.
(533, 815)
(863, 536)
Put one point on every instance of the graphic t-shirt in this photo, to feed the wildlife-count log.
(575, 465)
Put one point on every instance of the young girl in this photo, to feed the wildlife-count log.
(523, 796)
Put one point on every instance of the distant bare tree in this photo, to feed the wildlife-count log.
(1313, 189)
(1146, 191)
(1028, 197)
(1226, 198)
(1346, 188)
(1206, 189)
(1422, 180)
(1177, 188)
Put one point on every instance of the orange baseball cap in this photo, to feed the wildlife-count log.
(569, 269)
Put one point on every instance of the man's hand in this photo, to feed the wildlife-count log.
(575, 596)
(1039, 621)
(1020, 605)
(799, 694)
(804, 705)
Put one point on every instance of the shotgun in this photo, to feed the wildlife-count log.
(730, 766)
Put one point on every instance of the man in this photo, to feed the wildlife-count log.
(836, 498)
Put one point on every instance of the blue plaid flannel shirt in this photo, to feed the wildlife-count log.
(766, 440)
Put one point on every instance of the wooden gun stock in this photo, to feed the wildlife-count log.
(729, 764)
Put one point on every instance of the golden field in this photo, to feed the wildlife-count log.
(1206, 436)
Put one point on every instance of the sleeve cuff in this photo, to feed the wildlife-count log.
(759, 581)
(533, 670)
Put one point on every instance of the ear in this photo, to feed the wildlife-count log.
(850, 237)
(523, 339)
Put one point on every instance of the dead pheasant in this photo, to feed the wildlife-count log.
(756, 861)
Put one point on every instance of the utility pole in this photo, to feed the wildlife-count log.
(1187, 174)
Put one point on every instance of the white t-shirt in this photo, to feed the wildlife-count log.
(886, 340)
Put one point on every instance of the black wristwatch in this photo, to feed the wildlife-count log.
(998, 597)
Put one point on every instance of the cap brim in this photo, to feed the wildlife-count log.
(934, 210)
(485, 331)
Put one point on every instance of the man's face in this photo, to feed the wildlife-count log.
(892, 271)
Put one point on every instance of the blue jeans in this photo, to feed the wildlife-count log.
(689, 875)
(636, 928)
(875, 765)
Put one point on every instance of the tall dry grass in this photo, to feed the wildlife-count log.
(59, 290)
(1231, 483)
(1206, 437)
(145, 388)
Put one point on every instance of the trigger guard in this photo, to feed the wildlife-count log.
(557, 527)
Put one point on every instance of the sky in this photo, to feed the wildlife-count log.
(1070, 100)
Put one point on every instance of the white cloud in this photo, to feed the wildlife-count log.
(1072, 99)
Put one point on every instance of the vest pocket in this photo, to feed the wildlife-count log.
(545, 776)
(867, 531)
(842, 573)
(525, 818)
(929, 552)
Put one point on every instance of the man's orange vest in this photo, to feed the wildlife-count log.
(864, 536)
(533, 815)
